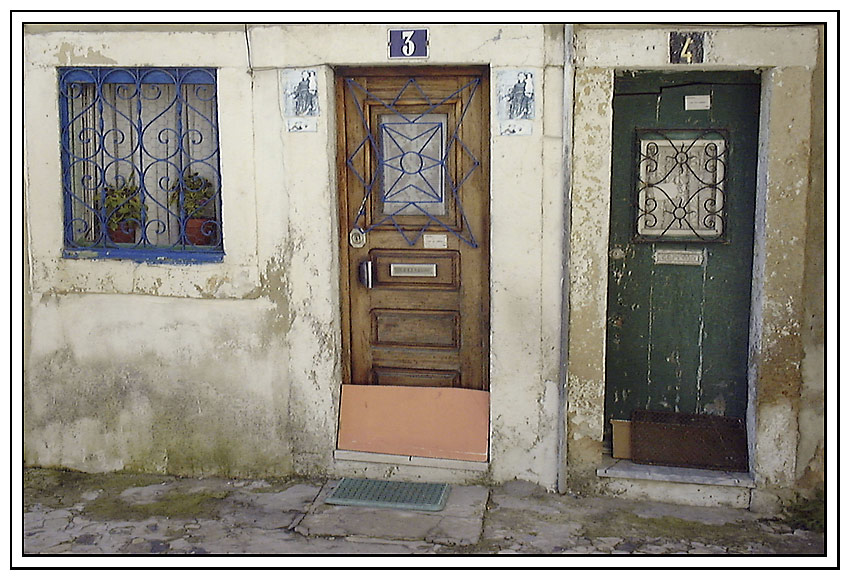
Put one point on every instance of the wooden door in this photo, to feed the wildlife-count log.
(414, 198)
(681, 243)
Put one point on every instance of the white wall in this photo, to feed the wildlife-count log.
(263, 326)
(165, 367)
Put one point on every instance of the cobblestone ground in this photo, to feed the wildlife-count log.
(70, 513)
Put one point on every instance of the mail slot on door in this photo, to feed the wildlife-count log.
(414, 270)
(420, 270)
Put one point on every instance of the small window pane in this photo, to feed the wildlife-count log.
(413, 167)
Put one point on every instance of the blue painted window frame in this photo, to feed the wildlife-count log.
(153, 134)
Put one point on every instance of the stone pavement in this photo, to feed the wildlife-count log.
(70, 513)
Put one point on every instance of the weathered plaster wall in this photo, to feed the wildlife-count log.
(780, 255)
(526, 183)
(157, 367)
(234, 367)
(137, 382)
(591, 186)
(312, 269)
(810, 454)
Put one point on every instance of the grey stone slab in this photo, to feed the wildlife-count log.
(703, 515)
(33, 520)
(627, 470)
(48, 543)
(297, 498)
(260, 519)
(239, 541)
(372, 522)
(84, 526)
(146, 494)
(606, 541)
(181, 546)
(209, 531)
(466, 501)
(653, 549)
(456, 531)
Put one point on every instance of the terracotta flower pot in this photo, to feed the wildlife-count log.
(199, 234)
(119, 236)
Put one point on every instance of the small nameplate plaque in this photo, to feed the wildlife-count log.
(435, 241)
(679, 257)
(697, 102)
(414, 270)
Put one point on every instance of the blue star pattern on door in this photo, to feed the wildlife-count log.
(413, 154)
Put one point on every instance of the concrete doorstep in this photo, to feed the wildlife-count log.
(69, 513)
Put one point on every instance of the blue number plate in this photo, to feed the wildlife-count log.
(411, 43)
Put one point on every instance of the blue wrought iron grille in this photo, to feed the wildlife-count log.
(140, 163)
(412, 153)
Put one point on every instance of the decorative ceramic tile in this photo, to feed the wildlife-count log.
(301, 99)
(515, 108)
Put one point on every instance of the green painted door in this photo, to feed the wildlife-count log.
(681, 242)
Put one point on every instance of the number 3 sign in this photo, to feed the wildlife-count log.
(411, 43)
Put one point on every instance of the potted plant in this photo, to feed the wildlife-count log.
(193, 197)
(123, 209)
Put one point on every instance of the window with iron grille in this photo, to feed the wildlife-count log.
(140, 163)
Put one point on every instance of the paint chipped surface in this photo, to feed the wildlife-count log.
(286, 341)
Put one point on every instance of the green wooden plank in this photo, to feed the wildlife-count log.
(627, 344)
(676, 297)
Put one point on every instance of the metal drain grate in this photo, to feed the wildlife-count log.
(392, 494)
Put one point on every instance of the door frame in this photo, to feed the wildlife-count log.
(446, 424)
(786, 62)
(342, 195)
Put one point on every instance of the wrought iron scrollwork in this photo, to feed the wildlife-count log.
(130, 137)
(681, 185)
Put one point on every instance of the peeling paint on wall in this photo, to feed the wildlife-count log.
(233, 368)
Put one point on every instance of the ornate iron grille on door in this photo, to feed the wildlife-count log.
(681, 186)
(415, 161)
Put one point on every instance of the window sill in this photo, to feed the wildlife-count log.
(144, 256)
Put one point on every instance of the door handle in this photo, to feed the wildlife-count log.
(365, 273)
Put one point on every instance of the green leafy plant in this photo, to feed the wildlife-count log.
(122, 202)
(196, 191)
